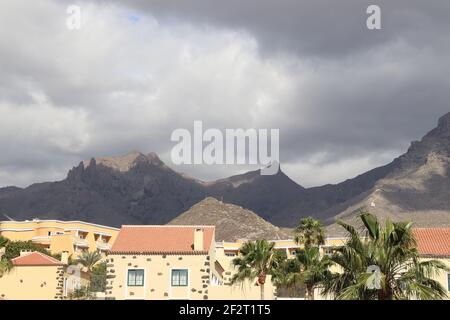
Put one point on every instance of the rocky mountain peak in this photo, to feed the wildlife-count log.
(125, 162)
(444, 122)
(441, 132)
(435, 142)
(153, 158)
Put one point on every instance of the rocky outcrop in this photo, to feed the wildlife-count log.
(232, 222)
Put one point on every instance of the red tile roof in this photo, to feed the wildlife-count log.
(161, 239)
(433, 241)
(36, 259)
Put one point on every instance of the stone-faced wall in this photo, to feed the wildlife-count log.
(157, 276)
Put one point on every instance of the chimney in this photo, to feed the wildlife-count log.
(198, 239)
(65, 257)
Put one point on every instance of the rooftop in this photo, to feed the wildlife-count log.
(38, 221)
(156, 239)
(36, 259)
(433, 241)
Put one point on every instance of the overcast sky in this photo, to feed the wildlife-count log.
(345, 98)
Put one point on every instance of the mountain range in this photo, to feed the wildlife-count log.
(140, 189)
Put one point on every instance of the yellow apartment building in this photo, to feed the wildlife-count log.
(158, 255)
(58, 236)
(170, 262)
(161, 262)
(227, 251)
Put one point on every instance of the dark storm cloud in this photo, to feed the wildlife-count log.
(382, 81)
(320, 28)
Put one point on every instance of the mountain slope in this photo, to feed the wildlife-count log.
(138, 188)
(266, 195)
(134, 188)
(232, 222)
(418, 189)
(317, 201)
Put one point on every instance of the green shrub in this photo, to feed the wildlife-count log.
(13, 249)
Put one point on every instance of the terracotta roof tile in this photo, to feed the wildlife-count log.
(157, 239)
(36, 259)
(433, 241)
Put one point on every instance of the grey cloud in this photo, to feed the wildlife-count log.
(320, 28)
(336, 91)
(371, 85)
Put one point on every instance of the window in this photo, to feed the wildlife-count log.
(230, 254)
(448, 281)
(135, 278)
(329, 251)
(179, 278)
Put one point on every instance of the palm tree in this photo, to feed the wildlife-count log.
(5, 264)
(286, 277)
(314, 269)
(5, 267)
(257, 260)
(89, 259)
(310, 232)
(3, 241)
(383, 265)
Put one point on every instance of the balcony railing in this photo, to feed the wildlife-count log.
(103, 245)
(41, 239)
(80, 242)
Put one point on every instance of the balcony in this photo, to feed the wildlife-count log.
(103, 246)
(41, 240)
(80, 242)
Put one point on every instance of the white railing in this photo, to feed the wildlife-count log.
(41, 239)
(80, 242)
(103, 245)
